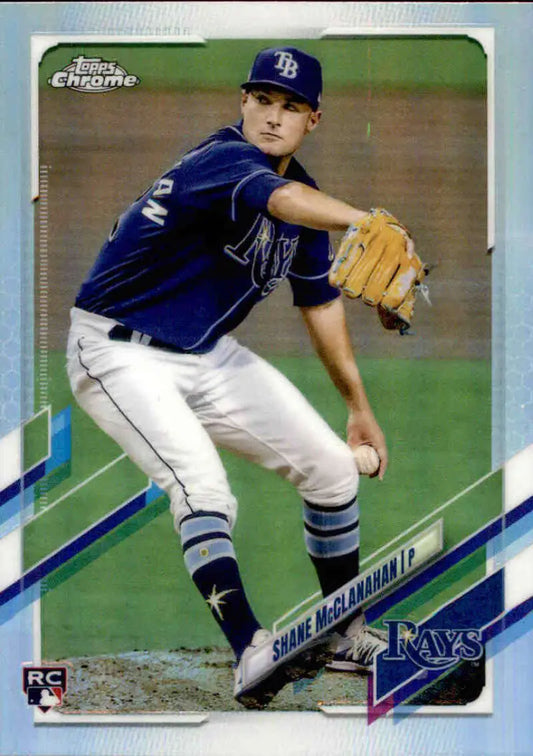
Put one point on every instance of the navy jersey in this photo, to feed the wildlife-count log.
(187, 261)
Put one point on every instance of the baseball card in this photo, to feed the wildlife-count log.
(266, 398)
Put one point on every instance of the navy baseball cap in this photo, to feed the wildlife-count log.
(291, 69)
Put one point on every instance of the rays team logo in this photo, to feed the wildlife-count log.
(430, 648)
(286, 64)
(44, 686)
(270, 257)
(92, 75)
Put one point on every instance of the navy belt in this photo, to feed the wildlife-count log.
(123, 333)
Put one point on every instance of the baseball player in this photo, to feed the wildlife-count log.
(150, 357)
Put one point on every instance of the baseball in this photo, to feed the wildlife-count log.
(366, 459)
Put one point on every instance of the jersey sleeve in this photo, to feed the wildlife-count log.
(228, 175)
(308, 275)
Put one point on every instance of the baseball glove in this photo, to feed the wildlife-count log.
(377, 262)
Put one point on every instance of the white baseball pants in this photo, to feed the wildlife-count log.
(168, 411)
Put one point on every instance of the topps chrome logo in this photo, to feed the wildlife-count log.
(430, 648)
(92, 75)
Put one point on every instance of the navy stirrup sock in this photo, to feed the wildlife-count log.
(332, 541)
(211, 561)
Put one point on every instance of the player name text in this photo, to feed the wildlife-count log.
(342, 604)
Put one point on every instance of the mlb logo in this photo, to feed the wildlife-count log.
(44, 686)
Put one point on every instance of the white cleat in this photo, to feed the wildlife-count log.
(357, 648)
(259, 693)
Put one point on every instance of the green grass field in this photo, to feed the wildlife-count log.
(131, 591)
(425, 62)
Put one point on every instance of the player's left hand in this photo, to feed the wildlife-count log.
(376, 261)
(362, 428)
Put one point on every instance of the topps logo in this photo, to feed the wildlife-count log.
(430, 648)
(92, 75)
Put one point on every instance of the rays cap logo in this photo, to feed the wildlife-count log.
(430, 648)
(44, 686)
(92, 75)
(288, 68)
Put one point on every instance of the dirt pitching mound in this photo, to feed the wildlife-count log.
(187, 680)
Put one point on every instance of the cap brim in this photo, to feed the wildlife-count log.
(277, 85)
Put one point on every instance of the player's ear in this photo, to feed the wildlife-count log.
(313, 120)
(244, 98)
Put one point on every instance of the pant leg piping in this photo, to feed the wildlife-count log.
(128, 420)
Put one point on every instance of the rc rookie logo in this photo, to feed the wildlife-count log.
(44, 686)
(92, 75)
